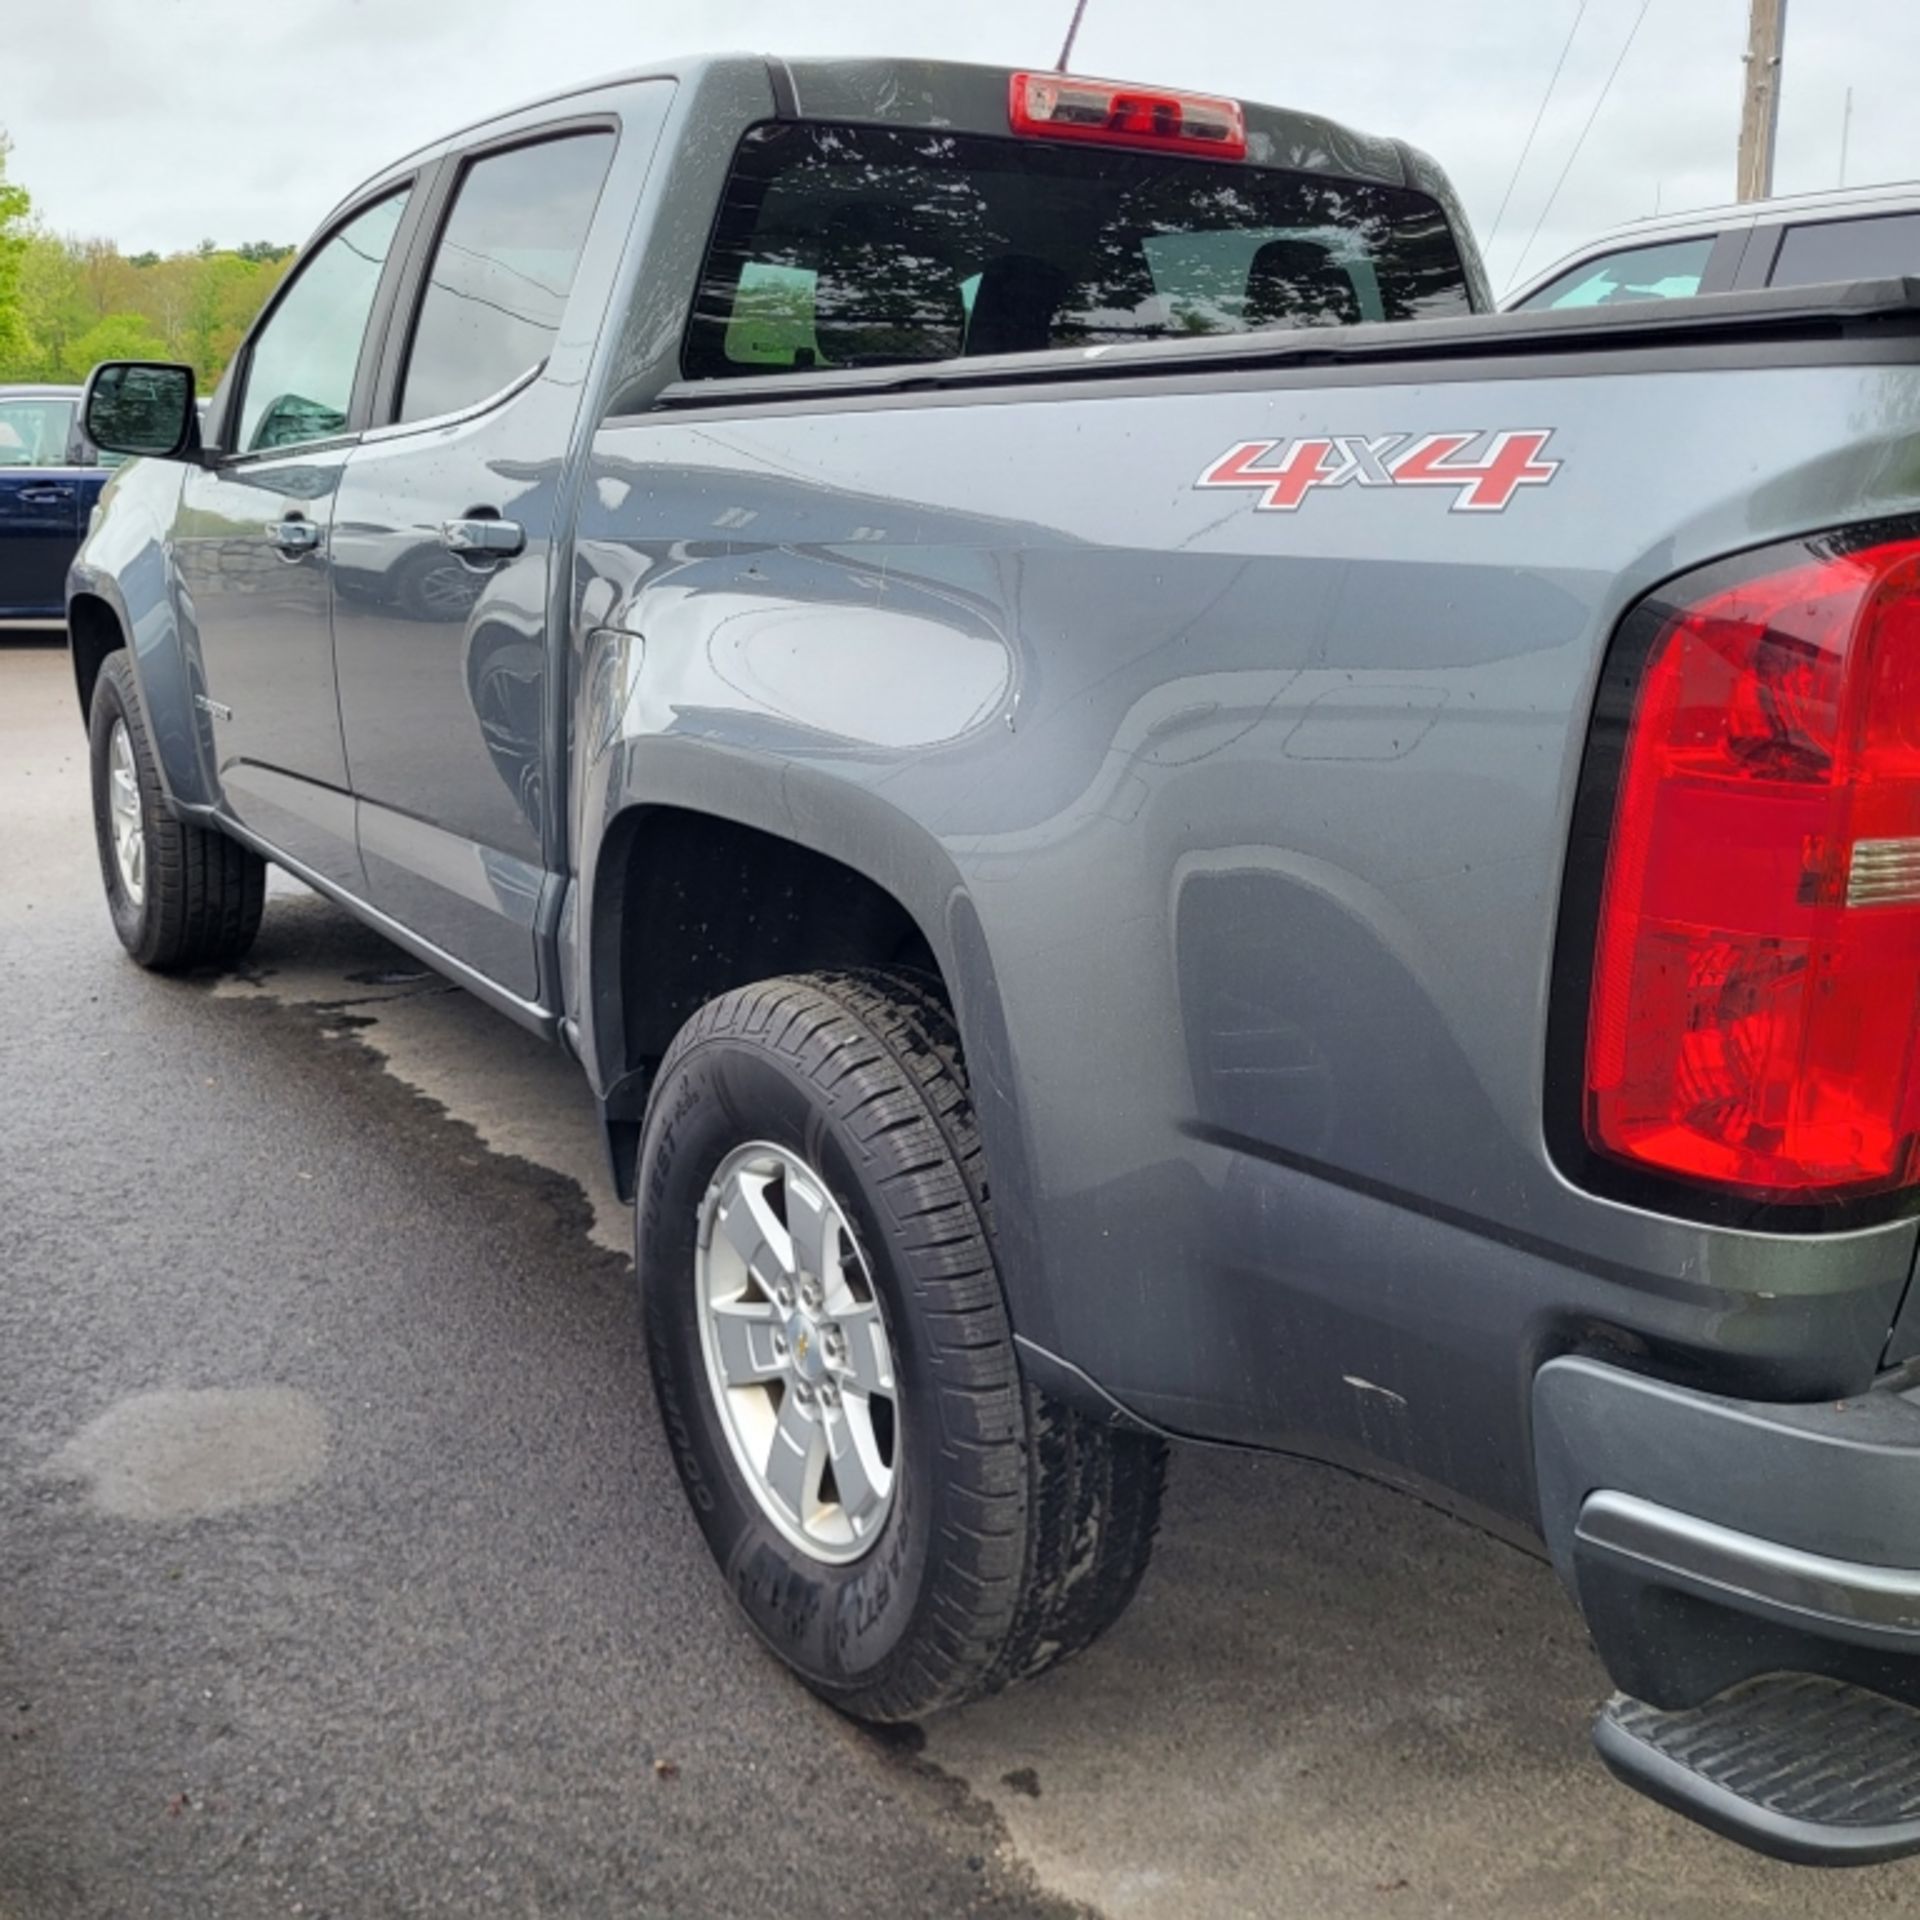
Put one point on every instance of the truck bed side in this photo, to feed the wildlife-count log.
(1240, 833)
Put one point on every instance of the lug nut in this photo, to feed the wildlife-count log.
(829, 1396)
(780, 1345)
(783, 1297)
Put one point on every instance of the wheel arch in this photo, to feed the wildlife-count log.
(94, 630)
(676, 911)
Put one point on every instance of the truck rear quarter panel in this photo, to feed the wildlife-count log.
(1240, 835)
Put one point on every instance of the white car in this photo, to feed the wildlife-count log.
(1798, 240)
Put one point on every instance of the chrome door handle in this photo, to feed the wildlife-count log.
(45, 496)
(483, 538)
(294, 536)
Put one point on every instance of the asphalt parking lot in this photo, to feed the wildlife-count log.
(342, 1570)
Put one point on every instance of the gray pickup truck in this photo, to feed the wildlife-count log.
(1147, 823)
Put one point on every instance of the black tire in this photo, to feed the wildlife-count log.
(1019, 1528)
(202, 892)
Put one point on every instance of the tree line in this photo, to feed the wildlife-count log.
(67, 303)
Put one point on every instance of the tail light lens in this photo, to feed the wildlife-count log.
(1059, 106)
(1756, 986)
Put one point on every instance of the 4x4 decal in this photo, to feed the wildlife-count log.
(1485, 469)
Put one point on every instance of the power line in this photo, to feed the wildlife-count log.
(1632, 35)
(1527, 148)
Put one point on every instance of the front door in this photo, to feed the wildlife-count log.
(39, 504)
(252, 546)
(442, 530)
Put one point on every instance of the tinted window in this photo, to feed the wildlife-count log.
(1881, 248)
(850, 247)
(301, 365)
(1668, 272)
(35, 433)
(502, 271)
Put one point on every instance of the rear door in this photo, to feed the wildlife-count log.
(252, 543)
(40, 504)
(443, 531)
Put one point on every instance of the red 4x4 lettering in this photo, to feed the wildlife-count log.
(1513, 458)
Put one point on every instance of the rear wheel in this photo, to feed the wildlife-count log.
(180, 895)
(903, 1519)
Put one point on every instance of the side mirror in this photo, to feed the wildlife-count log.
(141, 407)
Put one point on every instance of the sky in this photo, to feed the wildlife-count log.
(159, 123)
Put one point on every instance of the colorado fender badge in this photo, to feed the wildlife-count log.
(1485, 468)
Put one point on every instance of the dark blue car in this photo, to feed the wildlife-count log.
(50, 477)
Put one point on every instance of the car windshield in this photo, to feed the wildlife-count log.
(35, 432)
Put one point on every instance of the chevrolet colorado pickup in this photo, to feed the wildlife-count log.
(1146, 822)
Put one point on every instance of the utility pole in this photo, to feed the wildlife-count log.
(1760, 105)
(1846, 130)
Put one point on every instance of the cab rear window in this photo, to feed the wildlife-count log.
(864, 247)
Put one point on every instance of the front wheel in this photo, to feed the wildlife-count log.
(905, 1521)
(180, 895)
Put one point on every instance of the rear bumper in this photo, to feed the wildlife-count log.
(1710, 1540)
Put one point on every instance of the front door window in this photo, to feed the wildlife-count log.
(301, 366)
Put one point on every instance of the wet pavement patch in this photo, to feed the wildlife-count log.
(181, 1455)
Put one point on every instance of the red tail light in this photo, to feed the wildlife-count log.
(1756, 989)
(1060, 108)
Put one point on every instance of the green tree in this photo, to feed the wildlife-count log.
(16, 344)
(120, 336)
(53, 305)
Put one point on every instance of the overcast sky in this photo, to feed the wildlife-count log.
(159, 123)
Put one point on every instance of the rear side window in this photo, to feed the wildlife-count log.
(863, 247)
(1883, 247)
(502, 271)
(1671, 271)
